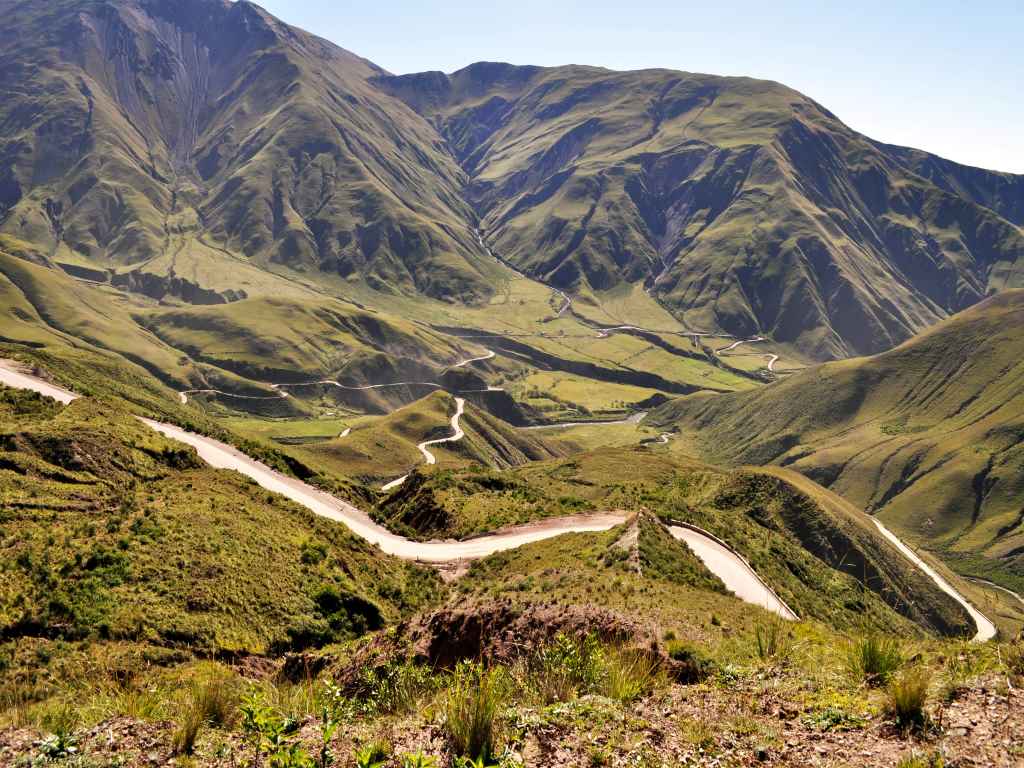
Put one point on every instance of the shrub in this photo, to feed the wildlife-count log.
(568, 667)
(56, 747)
(771, 639)
(396, 687)
(906, 697)
(472, 707)
(328, 727)
(631, 673)
(372, 755)
(874, 659)
(269, 733)
(692, 664)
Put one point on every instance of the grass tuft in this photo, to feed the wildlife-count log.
(472, 710)
(906, 697)
(212, 702)
(772, 639)
(631, 674)
(874, 659)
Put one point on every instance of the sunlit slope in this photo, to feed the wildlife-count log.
(814, 549)
(112, 531)
(930, 435)
(378, 449)
(740, 203)
(287, 340)
(181, 148)
(47, 308)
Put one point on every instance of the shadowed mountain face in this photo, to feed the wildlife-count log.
(739, 203)
(187, 148)
(138, 131)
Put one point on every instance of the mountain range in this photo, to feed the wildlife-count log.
(518, 416)
(204, 151)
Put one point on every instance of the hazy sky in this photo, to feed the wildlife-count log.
(943, 76)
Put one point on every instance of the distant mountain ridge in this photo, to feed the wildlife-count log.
(739, 203)
(189, 148)
(157, 137)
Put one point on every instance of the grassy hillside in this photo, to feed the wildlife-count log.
(111, 532)
(379, 449)
(285, 340)
(928, 436)
(740, 203)
(182, 149)
(820, 555)
(50, 308)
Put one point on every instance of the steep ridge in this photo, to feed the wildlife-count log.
(739, 203)
(930, 435)
(204, 151)
(155, 141)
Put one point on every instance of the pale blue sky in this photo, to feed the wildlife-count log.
(943, 76)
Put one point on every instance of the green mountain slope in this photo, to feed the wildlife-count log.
(929, 435)
(816, 551)
(739, 203)
(110, 531)
(173, 146)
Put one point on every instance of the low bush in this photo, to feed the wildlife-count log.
(567, 667)
(396, 687)
(692, 664)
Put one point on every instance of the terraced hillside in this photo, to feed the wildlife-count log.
(928, 436)
(741, 204)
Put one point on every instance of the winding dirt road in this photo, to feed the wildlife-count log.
(986, 629)
(428, 457)
(222, 456)
(183, 396)
(732, 569)
(1016, 596)
(737, 343)
(331, 382)
(464, 363)
(636, 418)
